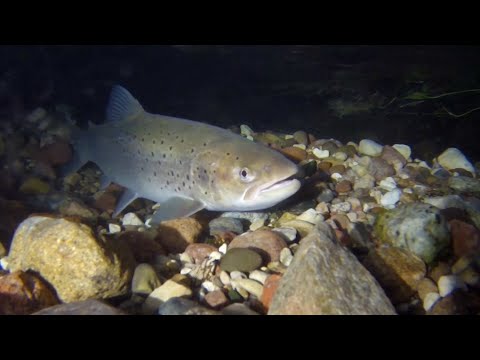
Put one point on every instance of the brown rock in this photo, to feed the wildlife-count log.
(269, 289)
(343, 186)
(142, 245)
(294, 153)
(87, 307)
(76, 208)
(198, 252)
(105, 201)
(465, 238)
(267, 243)
(452, 304)
(23, 293)
(398, 271)
(340, 169)
(380, 169)
(440, 270)
(216, 299)
(175, 235)
(58, 153)
(324, 166)
(391, 155)
(324, 278)
(426, 286)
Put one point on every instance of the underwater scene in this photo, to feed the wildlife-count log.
(239, 180)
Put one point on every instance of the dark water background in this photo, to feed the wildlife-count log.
(281, 88)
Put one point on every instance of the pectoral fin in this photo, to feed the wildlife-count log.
(127, 197)
(176, 207)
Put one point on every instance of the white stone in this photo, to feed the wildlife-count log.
(391, 197)
(341, 207)
(185, 258)
(249, 137)
(290, 233)
(300, 146)
(259, 276)
(186, 270)
(131, 219)
(252, 286)
(288, 137)
(448, 283)
(323, 208)
(404, 150)
(215, 255)
(364, 182)
(235, 275)
(114, 228)
(321, 154)
(223, 248)
(311, 216)
(452, 158)
(430, 300)
(4, 263)
(352, 216)
(224, 278)
(257, 224)
(376, 194)
(370, 148)
(210, 286)
(245, 130)
(286, 256)
(388, 184)
(336, 176)
(340, 156)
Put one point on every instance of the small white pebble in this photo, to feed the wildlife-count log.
(321, 154)
(430, 300)
(448, 283)
(4, 263)
(185, 258)
(352, 216)
(370, 148)
(341, 207)
(209, 286)
(336, 176)
(215, 255)
(288, 137)
(404, 150)
(388, 184)
(311, 216)
(235, 275)
(391, 197)
(408, 191)
(246, 130)
(224, 278)
(286, 256)
(114, 228)
(185, 270)
(323, 208)
(300, 146)
(252, 286)
(259, 276)
(131, 219)
(223, 249)
(156, 206)
(257, 224)
(249, 137)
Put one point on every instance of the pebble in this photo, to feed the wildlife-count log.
(223, 249)
(426, 286)
(336, 176)
(370, 148)
(311, 216)
(341, 207)
(259, 276)
(250, 216)
(452, 158)
(439, 270)
(461, 264)
(380, 169)
(301, 137)
(323, 208)
(252, 286)
(296, 153)
(430, 300)
(269, 288)
(224, 278)
(199, 252)
(168, 290)
(131, 219)
(238, 309)
(390, 198)
(365, 182)
(240, 259)
(175, 235)
(302, 227)
(448, 283)
(343, 186)
(145, 279)
(34, 186)
(235, 275)
(268, 243)
(289, 233)
(341, 156)
(223, 224)
(404, 150)
(325, 196)
(388, 184)
(245, 130)
(321, 154)
(286, 257)
(216, 299)
(470, 277)
(257, 224)
(210, 286)
(114, 228)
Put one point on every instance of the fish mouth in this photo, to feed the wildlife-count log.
(278, 185)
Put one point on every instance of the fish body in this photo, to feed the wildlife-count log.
(184, 165)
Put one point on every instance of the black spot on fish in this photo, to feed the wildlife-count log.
(176, 137)
(171, 147)
(204, 171)
(161, 142)
(178, 175)
(138, 152)
(143, 139)
(188, 177)
(204, 144)
(154, 173)
(164, 156)
(159, 162)
(153, 141)
(179, 188)
(193, 182)
(192, 150)
(237, 158)
(168, 183)
(141, 168)
(189, 187)
(206, 192)
(228, 154)
(182, 141)
(168, 134)
(153, 154)
(180, 161)
(183, 184)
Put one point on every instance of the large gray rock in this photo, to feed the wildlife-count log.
(324, 278)
(69, 256)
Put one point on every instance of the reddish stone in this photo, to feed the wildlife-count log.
(324, 166)
(175, 235)
(269, 289)
(216, 299)
(198, 252)
(58, 153)
(391, 155)
(23, 293)
(105, 201)
(294, 153)
(343, 237)
(465, 238)
(339, 169)
(343, 186)
(267, 243)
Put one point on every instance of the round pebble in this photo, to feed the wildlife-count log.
(131, 219)
(240, 259)
(114, 228)
(286, 256)
(252, 286)
(341, 207)
(259, 276)
(404, 150)
(430, 300)
(321, 154)
(370, 148)
(448, 283)
(391, 197)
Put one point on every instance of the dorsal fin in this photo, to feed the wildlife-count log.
(122, 105)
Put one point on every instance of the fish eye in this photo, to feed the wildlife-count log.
(245, 175)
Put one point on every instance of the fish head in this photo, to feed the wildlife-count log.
(246, 176)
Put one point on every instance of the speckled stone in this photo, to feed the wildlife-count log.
(95, 268)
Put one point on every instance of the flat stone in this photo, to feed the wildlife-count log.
(452, 158)
(325, 278)
(294, 153)
(369, 147)
(170, 289)
(240, 259)
(86, 307)
(267, 243)
(223, 224)
(145, 279)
